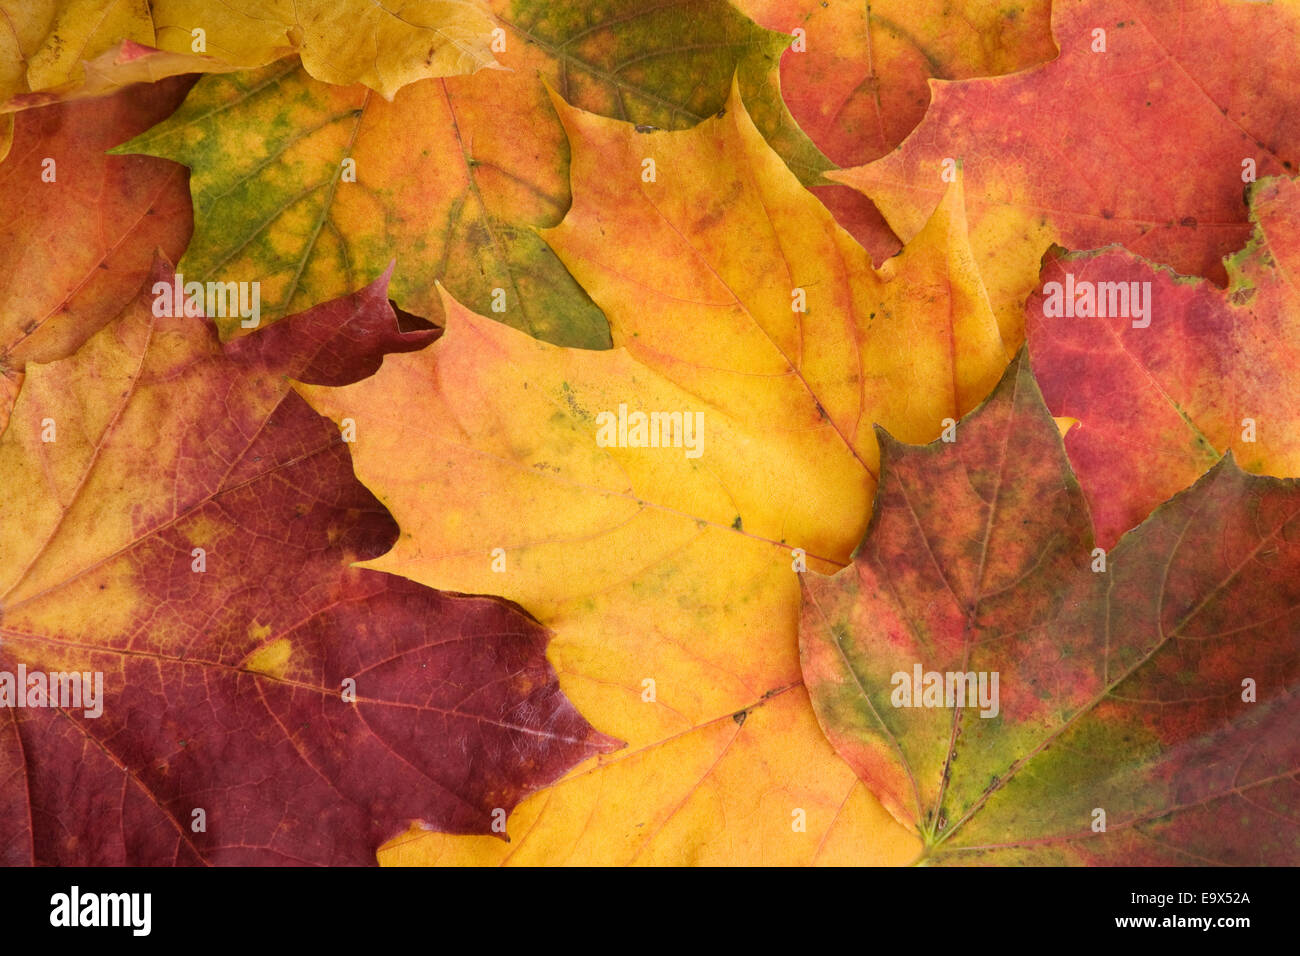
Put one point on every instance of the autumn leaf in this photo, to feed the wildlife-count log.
(68, 49)
(307, 187)
(72, 48)
(340, 41)
(857, 77)
(80, 228)
(178, 525)
(269, 151)
(860, 219)
(1019, 698)
(1176, 371)
(669, 573)
(1147, 143)
(611, 537)
(49, 52)
(123, 64)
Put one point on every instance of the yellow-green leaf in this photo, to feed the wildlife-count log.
(670, 574)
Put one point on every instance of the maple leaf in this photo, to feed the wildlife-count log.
(1020, 699)
(856, 81)
(121, 65)
(452, 174)
(80, 228)
(855, 76)
(178, 525)
(1159, 395)
(65, 48)
(51, 52)
(669, 576)
(1146, 144)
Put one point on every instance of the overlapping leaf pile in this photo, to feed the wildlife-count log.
(499, 433)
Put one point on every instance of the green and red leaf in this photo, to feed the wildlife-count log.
(1144, 709)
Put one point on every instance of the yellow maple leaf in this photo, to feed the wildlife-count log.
(670, 574)
(59, 49)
